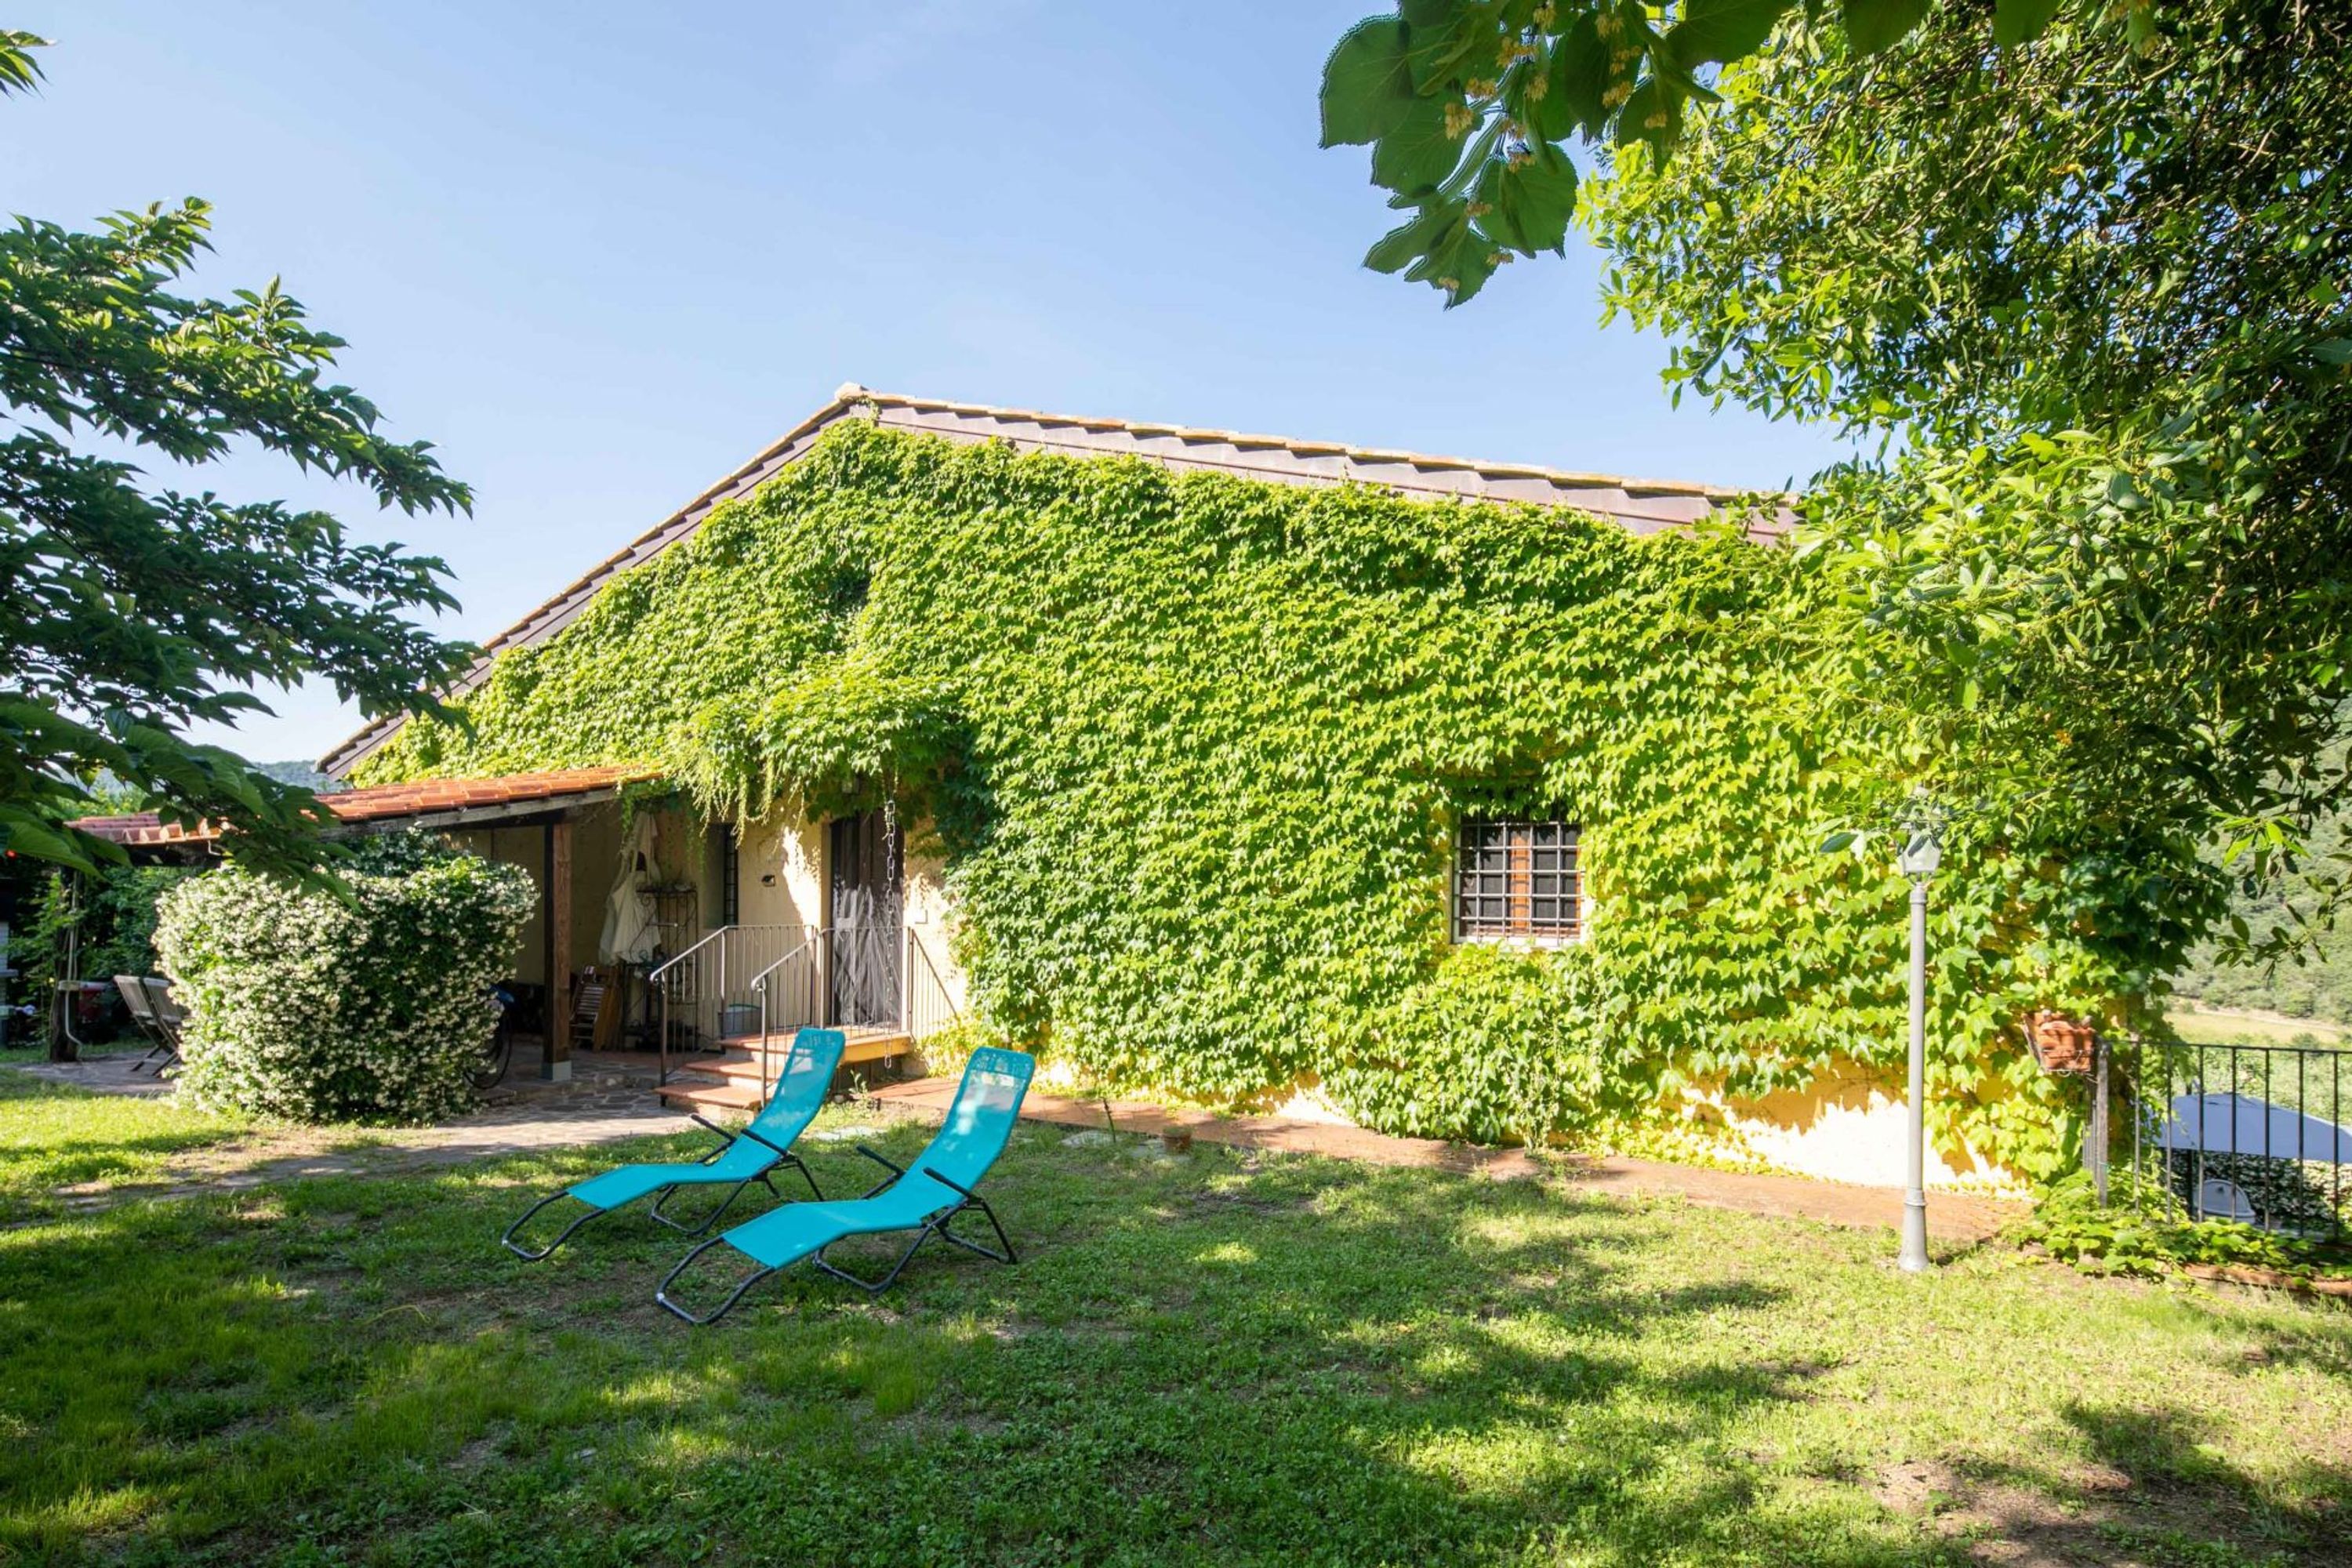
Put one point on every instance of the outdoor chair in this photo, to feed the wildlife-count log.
(750, 1155)
(926, 1196)
(134, 997)
(164, 1016)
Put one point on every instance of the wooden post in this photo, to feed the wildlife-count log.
(555, 925)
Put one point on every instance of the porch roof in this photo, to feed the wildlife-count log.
(423, 803)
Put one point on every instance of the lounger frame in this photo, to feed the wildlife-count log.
(936, 1225)
(663, 1195)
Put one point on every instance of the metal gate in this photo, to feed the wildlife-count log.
(865, 856)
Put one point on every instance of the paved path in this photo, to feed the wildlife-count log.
(1951, 1219)
(610, 1096)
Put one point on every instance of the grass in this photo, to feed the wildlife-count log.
(21, 1054)
(2209, 1026)
(58, 1145)
(1212, 1359)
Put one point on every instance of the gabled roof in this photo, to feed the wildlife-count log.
(1644, 506)
(441, 802)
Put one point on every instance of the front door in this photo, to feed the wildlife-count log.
(867, 901)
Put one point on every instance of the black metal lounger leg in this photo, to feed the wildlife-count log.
(876, 1287)
(709, 1220)
(806, 1176)
(1002, 1240)
(508, 1240)
(661, 1293)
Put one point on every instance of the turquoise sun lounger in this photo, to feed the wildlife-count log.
(743, 1157)
(926, 1196)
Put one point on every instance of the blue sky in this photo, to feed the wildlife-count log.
(601, 254)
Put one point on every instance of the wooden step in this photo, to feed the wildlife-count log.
(863, 1045)
(709, 1094)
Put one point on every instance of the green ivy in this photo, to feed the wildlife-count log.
(2139, 1231)
(1196, 748)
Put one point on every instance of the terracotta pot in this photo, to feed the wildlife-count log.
(2064, 1045)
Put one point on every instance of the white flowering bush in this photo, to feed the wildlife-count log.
(303, 1007)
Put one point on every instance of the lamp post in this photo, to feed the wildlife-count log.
(1920, 855)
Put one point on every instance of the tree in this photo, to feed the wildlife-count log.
(1470, 106)
(2080, 267)
(2093, 293)
(128, 611)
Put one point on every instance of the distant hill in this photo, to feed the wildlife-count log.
(2319, 987)
(303, 774)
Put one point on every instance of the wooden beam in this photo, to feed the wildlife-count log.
(555, 924)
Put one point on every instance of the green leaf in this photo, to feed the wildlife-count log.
(1874, 24)
(2016, 22)
(1437, 51)
(1712, 31)
(1366, 87)
(1413, 239)
(1539, 195)
(1653, 114)
(1579, 74)
(1418, 153)
(21, 833)
(1499, 221)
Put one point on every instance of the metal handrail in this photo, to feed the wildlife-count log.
(764, 985)
(712, 952)
(767, 1035)
(760, 982)
(938, 985)
(666, 964)
(660, 992)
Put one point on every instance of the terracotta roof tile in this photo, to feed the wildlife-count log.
(387, 802)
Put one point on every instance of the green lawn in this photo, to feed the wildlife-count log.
(1215, 1358)
(60, 1146)
(2204, 1026)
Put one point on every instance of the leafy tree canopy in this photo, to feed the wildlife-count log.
(1470, 106)
(2079, 266)
(2094, 298)
(128, 611)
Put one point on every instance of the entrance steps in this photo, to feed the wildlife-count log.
(731, 1078)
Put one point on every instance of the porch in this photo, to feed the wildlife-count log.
(660, 937)
(697, 947)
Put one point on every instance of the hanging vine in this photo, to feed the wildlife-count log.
(1195, 747)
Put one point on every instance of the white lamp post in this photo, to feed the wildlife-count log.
(1920, 855)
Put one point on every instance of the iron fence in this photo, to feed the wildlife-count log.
(2257, 1134)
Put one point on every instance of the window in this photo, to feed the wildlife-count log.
(1516, 879)
(730, 875)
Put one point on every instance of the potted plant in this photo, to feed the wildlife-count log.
(2064, 1045)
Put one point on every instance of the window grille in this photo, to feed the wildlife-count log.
(731, 876)
(1517, 879)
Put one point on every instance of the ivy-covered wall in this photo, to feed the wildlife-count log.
(1195, 748)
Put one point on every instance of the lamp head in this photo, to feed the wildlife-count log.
(1920, 855)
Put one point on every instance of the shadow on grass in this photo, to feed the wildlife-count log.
(1217, 1360)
